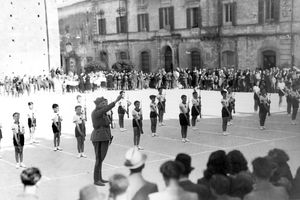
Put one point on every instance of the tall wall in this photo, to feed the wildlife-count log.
(24, 37)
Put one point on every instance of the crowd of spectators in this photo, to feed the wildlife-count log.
(226, 177)
(240, 80)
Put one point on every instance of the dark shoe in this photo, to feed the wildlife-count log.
(104, 181)
(99, 183)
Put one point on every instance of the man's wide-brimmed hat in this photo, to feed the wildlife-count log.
(134, 158)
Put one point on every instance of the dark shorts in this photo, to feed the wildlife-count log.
(183, 121)
(31, 122)
(0, 134)
(194, 111)
(56, 129)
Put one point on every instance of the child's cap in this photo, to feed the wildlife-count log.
(55, 106)
(152, 96)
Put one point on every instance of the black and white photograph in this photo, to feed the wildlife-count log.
(150, 100)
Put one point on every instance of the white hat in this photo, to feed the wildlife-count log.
(134, 158)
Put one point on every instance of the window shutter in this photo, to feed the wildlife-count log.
(188, 18)
(199, 17)
(104, 26)
(260, 11)
(171, 13)
(147, 21)
(276, 10)
(234, 13)
(99, 26)
(118, 22)
(161, 23)
(139, 22)
(220, 13)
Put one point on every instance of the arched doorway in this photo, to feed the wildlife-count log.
(228, 59)
(195, 59)
(269, 59)
(168, 59)
(104, 58)
(145, 61)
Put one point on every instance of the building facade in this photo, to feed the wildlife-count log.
(29, 37)
(156, 34)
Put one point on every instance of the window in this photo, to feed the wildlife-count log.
(122, 24)
(142, 4)
(195, 59)
(123, 55)
(89, 59)
(101, 26)
(145, 61)
(193, 17)
(166, 18)
(143, 22)
(228, 59)
(228, 13)
(268, 11)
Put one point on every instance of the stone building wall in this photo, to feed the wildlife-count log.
(247, 39)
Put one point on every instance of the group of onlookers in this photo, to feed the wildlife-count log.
(226, 177)
(240, 80)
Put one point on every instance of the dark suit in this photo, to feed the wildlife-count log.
(201, 190)
(100, 137)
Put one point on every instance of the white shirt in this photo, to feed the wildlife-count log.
(77, 119)
(161, 97)
(153, 107)
(281, 85)
(225, 102)
(195, 102)
(31, 113)
(56, 117)
(183, 108)
(256, 89)
(18, 128)
(136, 114)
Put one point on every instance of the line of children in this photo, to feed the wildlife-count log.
(137, 124)
(56, 127)
(80, 131)
(153, 115)
(31, 122)
(184, 118)
(161, 106)
(225, 111)
(18, 139)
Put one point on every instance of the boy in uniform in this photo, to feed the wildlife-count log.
(31, 122)
(161, 106)
(80, 132)
(184, 118)
(137, 117)
(18, 140)
(56, 127)
(153, 115)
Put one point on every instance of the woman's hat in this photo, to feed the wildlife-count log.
(186, 161)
